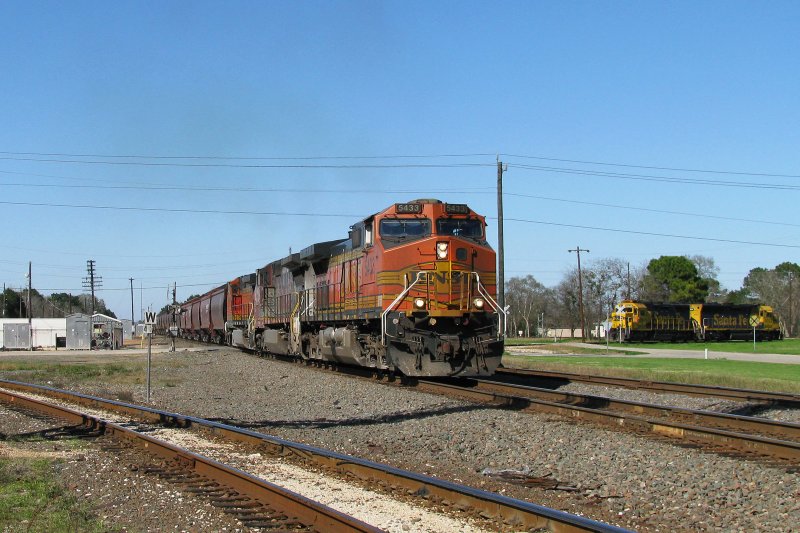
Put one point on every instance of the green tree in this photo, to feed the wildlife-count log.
(672, 278)
(12, 305)
(66, 302)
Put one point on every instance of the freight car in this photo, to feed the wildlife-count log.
(411, 290)
(649, 321)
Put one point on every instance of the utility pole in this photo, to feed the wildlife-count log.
(580, 293)
(132, 318)
(791, 305)
(92, 280)
(4, 300)
(501, 289)
(174, 309)
(629, 281)
(30, 311)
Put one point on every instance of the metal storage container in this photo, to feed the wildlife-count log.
(16, 336)
(78, 332)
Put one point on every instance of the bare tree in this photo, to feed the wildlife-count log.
(708, 271)
(777, 287)
(567, 311)
(527, 298)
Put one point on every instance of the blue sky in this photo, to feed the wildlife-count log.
(684, 85)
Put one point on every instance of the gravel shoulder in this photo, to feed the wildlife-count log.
(618, 478)
(145, 504)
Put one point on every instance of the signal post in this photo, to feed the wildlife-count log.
(149, 323)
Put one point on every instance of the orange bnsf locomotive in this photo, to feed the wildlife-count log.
(411, 291)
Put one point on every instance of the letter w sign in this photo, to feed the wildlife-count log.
(149, 317)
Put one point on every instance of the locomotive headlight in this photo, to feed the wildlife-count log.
(441, 250)
(419, 303)
(478, 303)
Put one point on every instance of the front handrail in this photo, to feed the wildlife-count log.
(394, 304)
(501, 313)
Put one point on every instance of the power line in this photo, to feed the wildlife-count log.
(276, 213)
(234, 158)
(477, 190)
(676, 169)
(483, 190)
(239, 165)
(179, 210)
(652, 234)
(682, 213)
(128, 267)
(157, 287)
(393, 156)
(664, 179)
(147, 278)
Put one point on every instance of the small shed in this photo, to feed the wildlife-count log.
(106, 332)
(78, 332)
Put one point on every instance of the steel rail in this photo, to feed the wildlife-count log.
(786, 399)
(295, 506)
(520, 514)
(685, 430)
(762, 426)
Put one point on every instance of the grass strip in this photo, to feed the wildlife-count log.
(31, 499)
(720, 372)
(784, 347)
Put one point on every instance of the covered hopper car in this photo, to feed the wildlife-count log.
(411, 290)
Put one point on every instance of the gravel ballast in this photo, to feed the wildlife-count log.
(624, 479)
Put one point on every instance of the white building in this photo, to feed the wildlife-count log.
(46, 331)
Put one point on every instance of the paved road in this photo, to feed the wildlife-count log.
(700, 354)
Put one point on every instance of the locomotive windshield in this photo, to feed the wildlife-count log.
(404, 228)
(460, 227)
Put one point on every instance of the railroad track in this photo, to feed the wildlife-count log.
(744, 435)
(541, 377)
(719, 432)
(261, 504)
